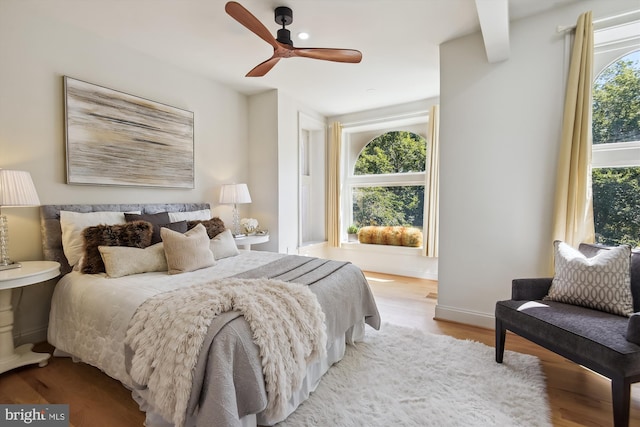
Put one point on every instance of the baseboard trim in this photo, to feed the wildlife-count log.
(33, 336)
(467, 317)
(399, 272)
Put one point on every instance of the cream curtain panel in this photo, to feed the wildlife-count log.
(333, 190)
(433, 184)
(573, 221)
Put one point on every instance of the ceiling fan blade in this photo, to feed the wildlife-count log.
(243, 16)
(336, 55)
(263, 68)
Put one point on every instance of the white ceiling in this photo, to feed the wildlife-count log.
(398, 39)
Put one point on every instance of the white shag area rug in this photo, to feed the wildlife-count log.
(404, 377)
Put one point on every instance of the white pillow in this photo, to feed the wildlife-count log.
(123, 260)
(190, 216)
(187, 252)
(223, 245)
(602, 282)
(72, 224)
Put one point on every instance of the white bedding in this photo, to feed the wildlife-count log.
(90, 313)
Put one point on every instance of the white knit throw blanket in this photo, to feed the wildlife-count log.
(167, 331)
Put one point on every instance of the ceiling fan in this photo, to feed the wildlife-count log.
(282, 45)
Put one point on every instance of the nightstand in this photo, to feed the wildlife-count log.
(31, 272)
(246, 241)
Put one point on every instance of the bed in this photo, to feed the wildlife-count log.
(96, 319)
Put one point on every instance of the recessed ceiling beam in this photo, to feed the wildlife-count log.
(494, 23)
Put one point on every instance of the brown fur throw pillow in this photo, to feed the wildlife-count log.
(156, 219)
(136, 234)
(214, 226)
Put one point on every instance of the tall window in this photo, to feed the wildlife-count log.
(387, 181)
(616, 145)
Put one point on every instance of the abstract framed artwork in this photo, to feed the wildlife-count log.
(113, 138)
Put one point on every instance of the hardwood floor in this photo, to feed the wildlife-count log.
(577, 397)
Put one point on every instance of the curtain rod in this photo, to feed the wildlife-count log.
(563, 28)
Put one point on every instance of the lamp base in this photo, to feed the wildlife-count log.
(5, 261)
(10, 266)
(236, 222)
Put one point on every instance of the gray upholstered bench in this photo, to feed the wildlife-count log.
(603, 342)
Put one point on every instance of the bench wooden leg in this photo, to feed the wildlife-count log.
(621, 396)
(501, 333)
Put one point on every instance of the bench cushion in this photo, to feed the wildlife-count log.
(595, 339)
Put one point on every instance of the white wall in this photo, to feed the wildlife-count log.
(499, 131)
(35, 53)
(263, 160)
(274, 158)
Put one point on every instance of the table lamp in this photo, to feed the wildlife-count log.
(16, 189)
(235, 194)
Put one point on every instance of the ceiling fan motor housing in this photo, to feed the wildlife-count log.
(284, 36)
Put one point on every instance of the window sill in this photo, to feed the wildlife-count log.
(367, 247)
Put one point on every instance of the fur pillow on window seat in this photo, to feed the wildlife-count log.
(394, 236)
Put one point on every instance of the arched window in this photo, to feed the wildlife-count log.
(388, 180)
(616, 145)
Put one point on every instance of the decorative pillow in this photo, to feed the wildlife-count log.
(180, 227)
(187, 252)
(123, 261)
(602, 282)
(157, 219)
(135, 234)
(224, 245)
(72, 224)
(391, 235)
(214, 226)
(203, 214)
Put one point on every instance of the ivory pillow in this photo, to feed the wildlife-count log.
(223, 245)
(72, 224)
(602, 282)
(187, 252)
(122, 261)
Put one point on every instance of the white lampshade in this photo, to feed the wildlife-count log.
(17, 189)
(234, 194)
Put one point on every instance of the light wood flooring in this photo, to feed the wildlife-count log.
(577, 397)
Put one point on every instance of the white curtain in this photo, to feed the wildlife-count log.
(433, 184)
(573, 221)
(333, 189)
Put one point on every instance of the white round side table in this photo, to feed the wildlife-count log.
(30, 272)
(245, 242)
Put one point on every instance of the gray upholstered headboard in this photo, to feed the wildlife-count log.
(52, 232)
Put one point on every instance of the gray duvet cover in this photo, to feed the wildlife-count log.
(228, 382)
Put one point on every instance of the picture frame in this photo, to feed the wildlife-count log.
(114, 138)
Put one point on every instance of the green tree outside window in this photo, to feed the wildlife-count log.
(394, 152)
